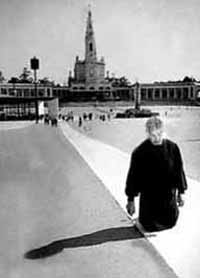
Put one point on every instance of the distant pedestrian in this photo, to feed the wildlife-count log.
(79, 121)
(54, 122)
(84, 116)
(156, 174)
(90, 116)
(46, 119)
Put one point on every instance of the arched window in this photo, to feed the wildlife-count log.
(91, 88)
(90, 47)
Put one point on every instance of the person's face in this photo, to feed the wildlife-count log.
(156, 136)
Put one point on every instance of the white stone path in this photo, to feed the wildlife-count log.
(179, 246)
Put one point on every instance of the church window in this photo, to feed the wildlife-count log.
(91, 47)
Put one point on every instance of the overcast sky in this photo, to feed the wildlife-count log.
(146, 40)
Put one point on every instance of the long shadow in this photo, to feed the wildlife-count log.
(112, 234)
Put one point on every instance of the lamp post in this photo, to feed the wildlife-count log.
(35, 66)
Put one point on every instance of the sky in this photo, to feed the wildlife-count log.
(145, 40)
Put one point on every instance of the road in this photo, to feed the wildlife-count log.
(51, 201)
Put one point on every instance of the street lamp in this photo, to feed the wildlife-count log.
(35, 66)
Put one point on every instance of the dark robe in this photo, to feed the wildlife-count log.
(156, 173)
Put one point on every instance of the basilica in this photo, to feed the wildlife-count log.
(88, 80)
(89, 71)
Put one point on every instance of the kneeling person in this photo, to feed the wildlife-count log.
(156, 174)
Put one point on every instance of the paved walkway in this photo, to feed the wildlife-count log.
(56, 212)
(180, 245)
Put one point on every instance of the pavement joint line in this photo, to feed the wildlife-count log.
(168, 243)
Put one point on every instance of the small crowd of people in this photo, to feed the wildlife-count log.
(67, 117)
(48, 120)
(90, 116)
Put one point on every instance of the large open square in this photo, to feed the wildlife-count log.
(182, 124)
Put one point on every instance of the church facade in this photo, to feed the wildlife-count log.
(90, 83)
(90, 70)
(88, 80)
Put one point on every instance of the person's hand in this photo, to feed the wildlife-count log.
(180, 200)
(130, 207)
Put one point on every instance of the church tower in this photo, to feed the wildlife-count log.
(91, 63)
(89, 72)
(90, 45)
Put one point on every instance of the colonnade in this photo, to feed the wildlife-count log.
(167, 93)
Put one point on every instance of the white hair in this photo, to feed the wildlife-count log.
(153, 123)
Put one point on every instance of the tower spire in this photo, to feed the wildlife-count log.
(90, 45)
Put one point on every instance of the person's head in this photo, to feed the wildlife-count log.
(154, 129)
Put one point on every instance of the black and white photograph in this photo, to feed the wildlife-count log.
(99, 139)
